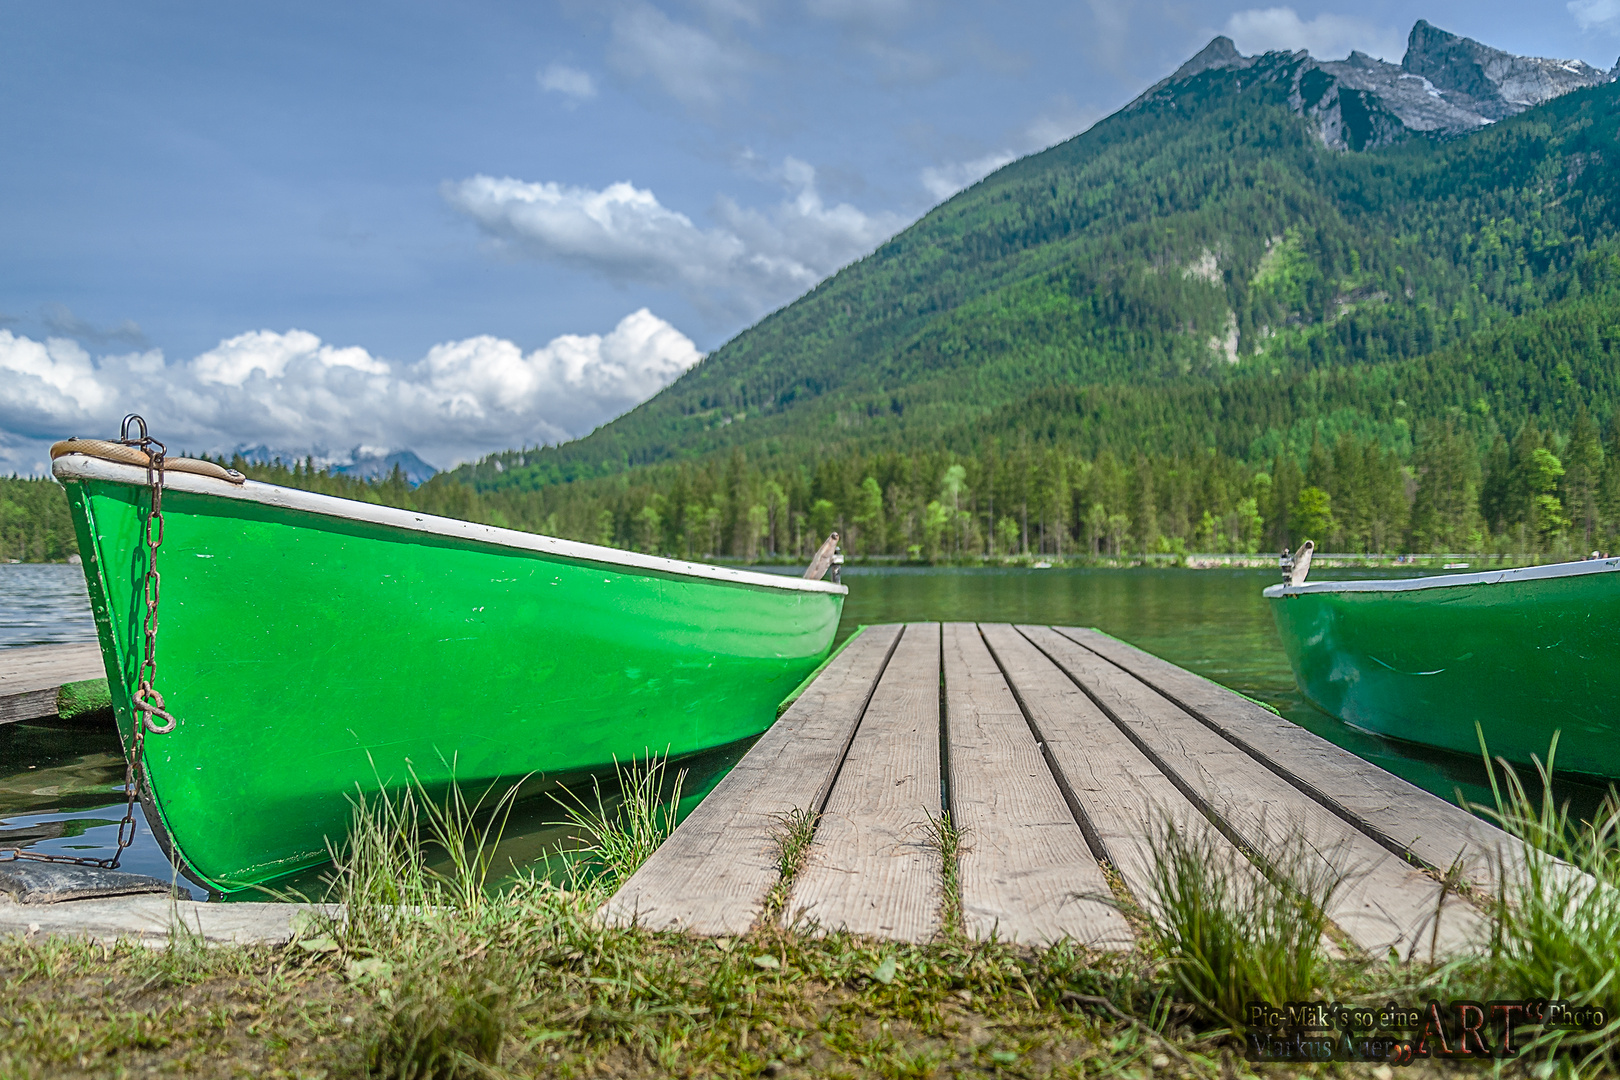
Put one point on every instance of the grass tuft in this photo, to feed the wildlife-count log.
(793, 835)
(622, 838)
(1231, 936)
(1555, 926)
(945, 838)
(448, 1021)
(444, 1007)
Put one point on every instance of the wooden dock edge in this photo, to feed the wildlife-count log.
(155, 920)
(804, 684)
(44, 682)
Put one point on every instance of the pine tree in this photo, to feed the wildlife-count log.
(1445, 507)
(1286, 482)
(1496, 490)
(1583, 476)
(1145, 510)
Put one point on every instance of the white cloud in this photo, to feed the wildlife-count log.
(1596, 13)
(695, 69)
(943, 181)
(234, 360)
(1327, 37)
(750, 263)
(570, 82)
(460, 401)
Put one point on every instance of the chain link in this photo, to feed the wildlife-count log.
(148, 702)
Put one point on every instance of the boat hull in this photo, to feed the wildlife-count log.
(309, 656)
(1523, 654)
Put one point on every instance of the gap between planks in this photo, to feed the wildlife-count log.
(1026, 872)
(872, 868)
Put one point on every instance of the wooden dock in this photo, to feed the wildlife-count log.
(1060, 754)
(32, 678)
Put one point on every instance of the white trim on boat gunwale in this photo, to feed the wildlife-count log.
(1451, 581)
(81, 467)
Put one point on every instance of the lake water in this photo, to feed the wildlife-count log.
(43, 604)
(61, 786)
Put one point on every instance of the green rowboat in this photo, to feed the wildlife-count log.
(313, 648)
(1523, 653)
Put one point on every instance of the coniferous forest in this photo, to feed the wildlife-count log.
(1193, 328)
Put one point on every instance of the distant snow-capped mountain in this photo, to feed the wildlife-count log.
(363, 462)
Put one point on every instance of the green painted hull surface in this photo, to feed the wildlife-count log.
(1523, 656)
(309, 657)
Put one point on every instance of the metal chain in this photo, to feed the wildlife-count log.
(148, 702)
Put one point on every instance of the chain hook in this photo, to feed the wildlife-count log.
(150, 703)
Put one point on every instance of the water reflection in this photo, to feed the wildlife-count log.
(62, 792)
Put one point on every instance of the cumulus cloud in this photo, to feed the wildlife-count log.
(233, 361)
(943, 181)
(1604, 14)
(750, 262)
(460, 401)
(691, 66)
(1327, 37)
(567, 81)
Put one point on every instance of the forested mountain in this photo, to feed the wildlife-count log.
(1205, 267)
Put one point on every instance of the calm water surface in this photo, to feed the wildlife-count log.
(43, 604)
(61, 786)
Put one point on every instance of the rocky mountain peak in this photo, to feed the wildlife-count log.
(1445, 85)
(1498, 82)
(1220, 53)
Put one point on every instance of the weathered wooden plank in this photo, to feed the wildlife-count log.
(713, 873)
(1399, 815)
(31, 676)
(41, 667)
(35, 705)
(1121, 795)
(872, 869)
(1025, 871)
(1383, 903)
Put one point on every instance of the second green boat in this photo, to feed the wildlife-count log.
(1523, 653)
(314, 648)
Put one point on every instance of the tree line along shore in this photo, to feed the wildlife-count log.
(1541, 493)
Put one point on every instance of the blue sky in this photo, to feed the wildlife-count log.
(472, 226)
